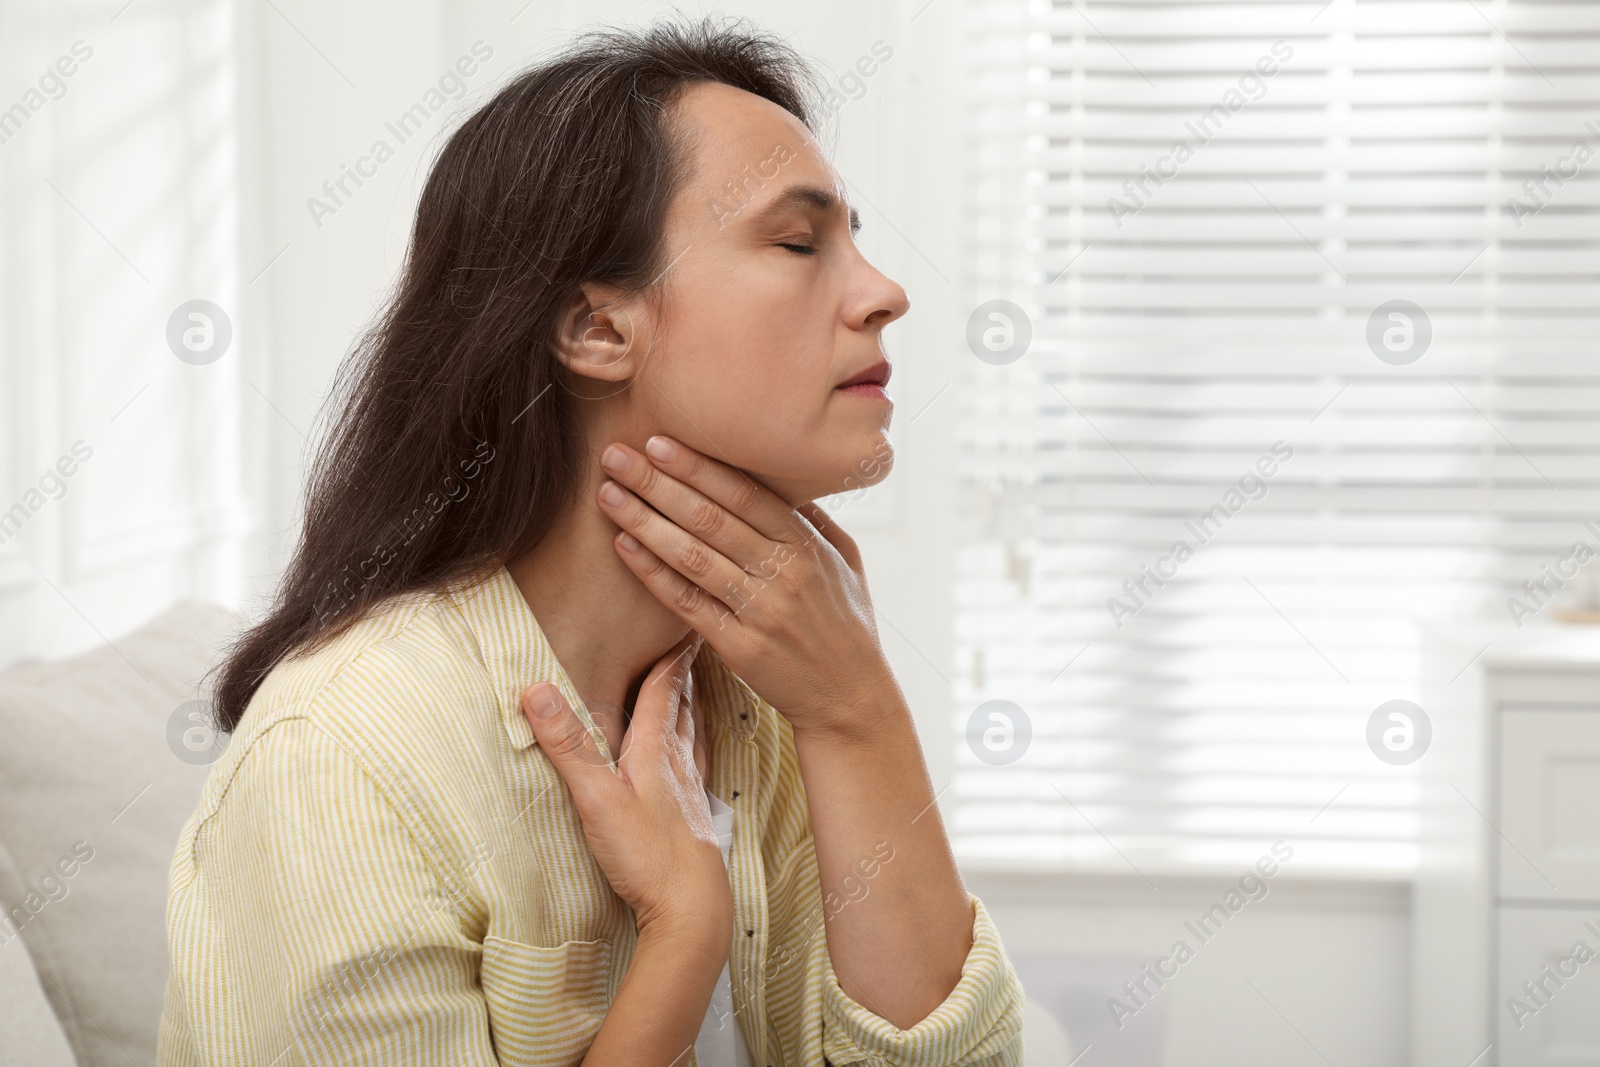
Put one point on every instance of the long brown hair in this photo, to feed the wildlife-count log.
(455, 441)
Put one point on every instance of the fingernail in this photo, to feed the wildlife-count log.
(546, 699)
(612, 493)
(661, 448)
(615, 459)
(629, 542)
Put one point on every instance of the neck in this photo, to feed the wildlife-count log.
(605, 627)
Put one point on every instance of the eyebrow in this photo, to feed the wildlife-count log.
(810, 196)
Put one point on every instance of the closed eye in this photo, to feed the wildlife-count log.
(804, 250)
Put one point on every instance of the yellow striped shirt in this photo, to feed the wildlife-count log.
(384, 869)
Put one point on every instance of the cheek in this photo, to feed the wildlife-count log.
(748, 374)
(751, 384)
(750, 407)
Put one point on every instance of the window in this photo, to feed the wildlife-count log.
(1204, 214)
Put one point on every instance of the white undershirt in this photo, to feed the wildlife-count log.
(721, 1042)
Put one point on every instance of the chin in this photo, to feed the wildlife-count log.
(869, 467)
(844, 470)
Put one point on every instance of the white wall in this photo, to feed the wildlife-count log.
(195, 488)
(120, 203)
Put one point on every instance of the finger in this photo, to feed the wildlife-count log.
(702, 611)
(567, 743)
(691, 557)
(760, 508)
(833, 533)
(685, 722)
(702, 755)
(701, 740)
(684, 738)
(660, 697)
(684, 505)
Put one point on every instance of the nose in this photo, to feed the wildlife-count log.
(881, 299)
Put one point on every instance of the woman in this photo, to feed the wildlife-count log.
(563, 605)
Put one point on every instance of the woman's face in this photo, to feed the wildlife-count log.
(766, 308)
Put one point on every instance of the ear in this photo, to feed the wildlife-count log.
(599, 334)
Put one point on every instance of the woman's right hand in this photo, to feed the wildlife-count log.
(647, 821)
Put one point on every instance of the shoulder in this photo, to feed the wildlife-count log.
(389, 696)
(408, 649)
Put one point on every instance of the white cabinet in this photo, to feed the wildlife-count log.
(1549, 1000)
(1506, 909)
(1550, 802)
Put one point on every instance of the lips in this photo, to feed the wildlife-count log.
(877, 374)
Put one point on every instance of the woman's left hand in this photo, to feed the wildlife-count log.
(778, 592)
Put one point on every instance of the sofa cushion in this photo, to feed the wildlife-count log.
(30, 1035)
(101, 766)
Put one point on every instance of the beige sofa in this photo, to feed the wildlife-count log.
(100, 765)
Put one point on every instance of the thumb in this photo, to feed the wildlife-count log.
(565, 741)
(670, 679)
(833, 533)
(659, 711)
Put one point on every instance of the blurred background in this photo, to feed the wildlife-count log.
(1237, 556)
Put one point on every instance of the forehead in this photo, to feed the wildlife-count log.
(728, 134)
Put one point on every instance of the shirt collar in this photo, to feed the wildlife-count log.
(516, 654)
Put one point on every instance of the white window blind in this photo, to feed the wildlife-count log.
(1180, 332)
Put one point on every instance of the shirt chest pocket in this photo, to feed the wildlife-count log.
(545, 1004)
